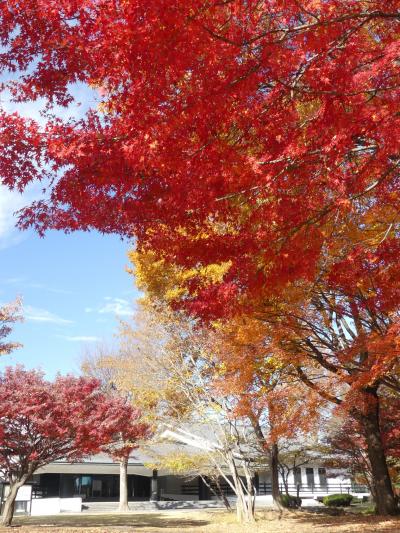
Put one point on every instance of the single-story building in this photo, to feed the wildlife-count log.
(96, 479)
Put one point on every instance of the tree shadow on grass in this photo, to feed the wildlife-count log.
(364, 523)
(136, 521)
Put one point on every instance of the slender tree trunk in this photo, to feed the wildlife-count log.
(286, 484)
(123, 486)
(384, 495)
(219, 493)
(244, 502)
(8, 510)
(251, 494)
(284, 472)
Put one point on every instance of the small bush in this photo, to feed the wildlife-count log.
(338, 500)
(290, 502)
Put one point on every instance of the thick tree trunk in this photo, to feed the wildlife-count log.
(8, 510)
(273, 456)
(275, 474)
(384, 497)
(123, 486)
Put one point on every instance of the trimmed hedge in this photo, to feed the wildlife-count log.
(337, 500)
(290, 502)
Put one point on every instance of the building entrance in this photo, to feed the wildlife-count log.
(91, 487)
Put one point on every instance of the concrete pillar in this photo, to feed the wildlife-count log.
(154, 487)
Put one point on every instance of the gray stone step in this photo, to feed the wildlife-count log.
(104, 507)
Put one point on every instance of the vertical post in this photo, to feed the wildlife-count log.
(154, 487)
(1, 496)
(30, 501)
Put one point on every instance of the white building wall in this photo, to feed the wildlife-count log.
(50, 506)
(334, 478)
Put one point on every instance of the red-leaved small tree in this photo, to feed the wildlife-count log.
(43, 421)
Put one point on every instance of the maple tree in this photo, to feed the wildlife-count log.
(281, 411)
(42, 421)
(344, 447)
(339, 340)
(9, 315)
(229, 132)
(346, 350)
(243, 143)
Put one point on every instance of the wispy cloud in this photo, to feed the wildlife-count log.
(36, 314)
(13, 281)
(43, 287)
(115, 306)
(23, 282)
(80, 338)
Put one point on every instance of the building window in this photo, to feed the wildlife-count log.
(297, 475)
(20, 507)
(310, 477)
(322, 477)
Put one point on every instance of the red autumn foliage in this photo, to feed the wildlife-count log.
(128, 436)
(252, 125)
(255, 133)
(42, 421)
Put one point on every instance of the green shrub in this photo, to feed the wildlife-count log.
(337, 500)
(290, 502)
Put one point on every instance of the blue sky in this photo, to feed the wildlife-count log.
(74, 287)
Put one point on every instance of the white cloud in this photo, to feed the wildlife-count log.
(10, 203)
(42, 315)
(118, 306)
(80, 338)
(85, 99)
(115, 306)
